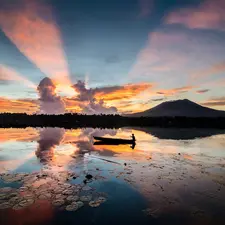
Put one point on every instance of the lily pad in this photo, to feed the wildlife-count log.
(72, 207)
(3, 196)
(17, 207)
(45, 196)
(60, 196)
(86, 188)
(58, 190)
(15, 200)
(26, 202)
(5, 205)
(101, 199)
(72, 198)
(80, 204)
(94, 203)
(86, 198)
(58, 202)
(68, 192)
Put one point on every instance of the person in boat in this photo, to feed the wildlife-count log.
(133, 137)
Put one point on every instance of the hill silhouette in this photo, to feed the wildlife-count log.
(179, 108)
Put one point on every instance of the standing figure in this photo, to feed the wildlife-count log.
(133, 138)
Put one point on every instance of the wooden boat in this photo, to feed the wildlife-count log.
(102, 140)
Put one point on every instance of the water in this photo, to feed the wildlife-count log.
(171, 176)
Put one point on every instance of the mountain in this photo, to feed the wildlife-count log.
(183, 107)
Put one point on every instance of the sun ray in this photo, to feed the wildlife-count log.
(8, 74)
(32, 28)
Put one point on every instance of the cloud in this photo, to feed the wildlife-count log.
(208, 15)
(202, 91)
(215, 102)
(158, 99)
(122, 92)
(107, 99)
(28, 106)
(178, 56)
(50, 103)
(162, 54)
(173, 91)
(72, 105)
(84, 94)
(30, 25)
(99, 107)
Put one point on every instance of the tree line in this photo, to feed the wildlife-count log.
(22, 120)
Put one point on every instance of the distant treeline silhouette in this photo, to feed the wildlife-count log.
(22, 120)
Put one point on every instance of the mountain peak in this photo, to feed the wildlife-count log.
(181, 107)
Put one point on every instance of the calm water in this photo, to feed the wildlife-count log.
(170, 177)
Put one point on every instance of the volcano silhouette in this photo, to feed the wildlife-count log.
(184, 108)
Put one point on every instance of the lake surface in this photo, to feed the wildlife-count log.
(172, 176)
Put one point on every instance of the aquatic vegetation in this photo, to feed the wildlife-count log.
(80, 204)
(72, 207)
(86, 198)
(72, 198)
(86, 188)
(97, 202)
(44, 185)
(45, 196)
(101, 199)
(94, 203)
(67, 192)
(58, 202)
(5, 205)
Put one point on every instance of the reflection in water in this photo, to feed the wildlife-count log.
(103, 143)
(179, 177)
(48, 139)
(181, 133)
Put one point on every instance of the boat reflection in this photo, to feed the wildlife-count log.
(105, 144)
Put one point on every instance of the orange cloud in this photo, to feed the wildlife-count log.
(8, 74)
(18, 106)
(73, 106)
(208, 15)
(169, 92)
(124, 92)
(31, 27)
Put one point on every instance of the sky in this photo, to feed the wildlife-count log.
(114, 56)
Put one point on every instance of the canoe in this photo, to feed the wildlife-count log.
(113, 140)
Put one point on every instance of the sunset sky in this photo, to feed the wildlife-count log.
(110, 56)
